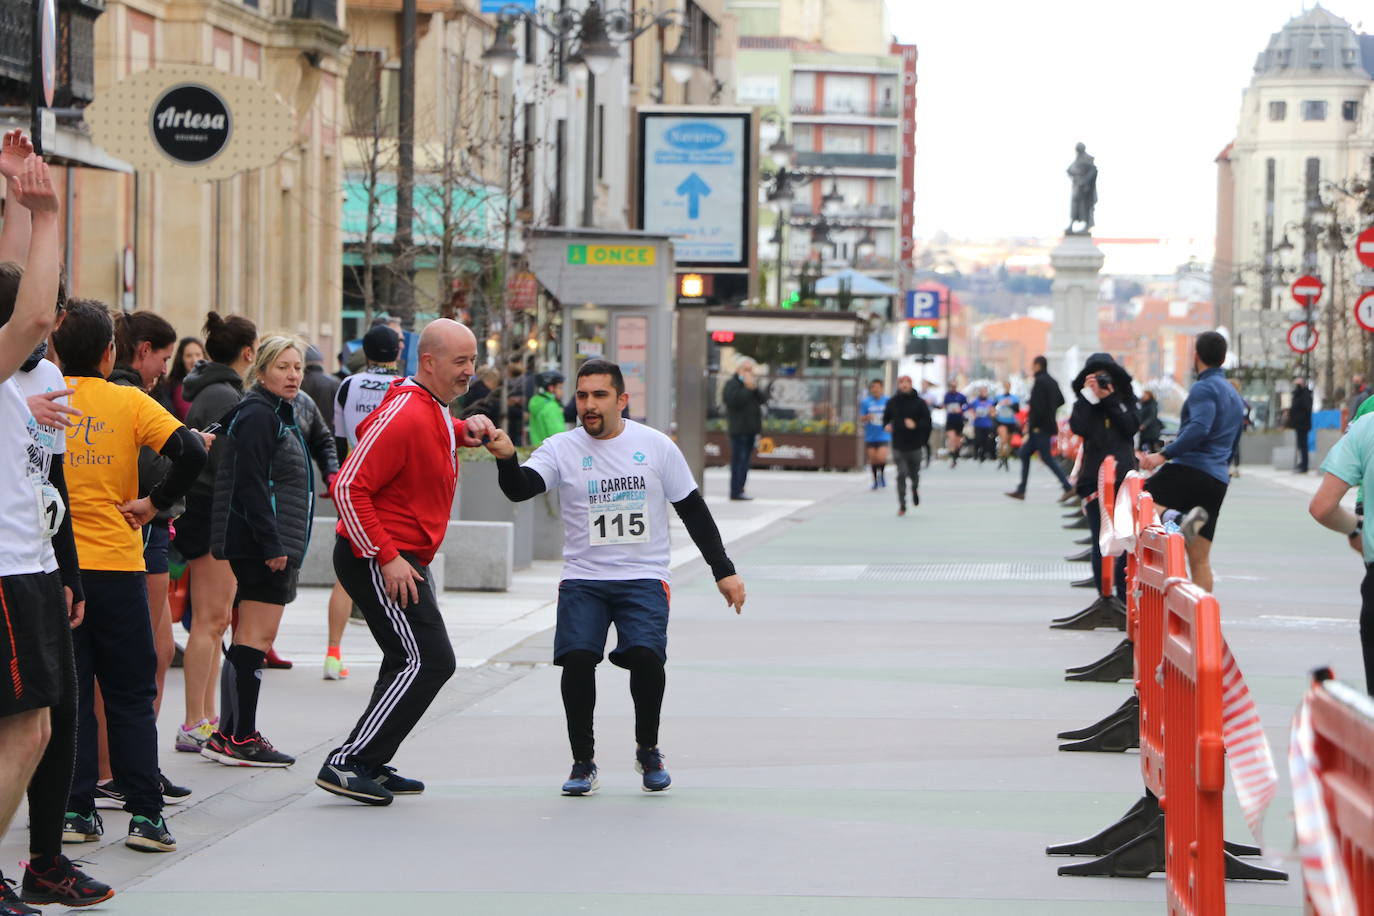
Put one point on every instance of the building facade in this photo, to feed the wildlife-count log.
(1305, 128)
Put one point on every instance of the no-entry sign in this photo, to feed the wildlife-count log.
(1364, 248)
(1306, 290)
(1364, 311)
(1302, 338)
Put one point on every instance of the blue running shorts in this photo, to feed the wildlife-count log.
(588, 607)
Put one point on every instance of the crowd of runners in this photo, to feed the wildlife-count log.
(119, 475)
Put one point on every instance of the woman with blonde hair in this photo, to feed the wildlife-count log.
(263, 506)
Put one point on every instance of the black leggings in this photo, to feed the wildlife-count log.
(1093, 511)
(647, 683)
(1367, 626)
(52, 780)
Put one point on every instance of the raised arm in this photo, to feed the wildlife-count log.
(15, 149)
(36, 303)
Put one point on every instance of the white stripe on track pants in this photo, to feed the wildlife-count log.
(417, 659)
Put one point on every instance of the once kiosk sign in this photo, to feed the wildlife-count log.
(191, 123)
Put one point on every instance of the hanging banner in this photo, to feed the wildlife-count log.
(192, 121)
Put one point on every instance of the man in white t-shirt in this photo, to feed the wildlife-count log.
(615, 479)
(358, 395)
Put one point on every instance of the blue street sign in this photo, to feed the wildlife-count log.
(923, 304)
(502, 6)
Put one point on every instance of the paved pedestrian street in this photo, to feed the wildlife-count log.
(875, 735)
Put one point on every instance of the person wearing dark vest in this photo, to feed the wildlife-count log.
(744, 416)
(263, 506)
(1300, 421)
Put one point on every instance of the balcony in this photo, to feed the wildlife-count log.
(321, 10)
(846, 108)
(859, 212)
(848, 160)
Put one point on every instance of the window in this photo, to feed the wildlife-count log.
(845, 94)
(1313, 110)
(560, 158)
(759, 88)
(846, 140)
(1350, 110)
(803, 138)
(803, 91)
(372, 94)
(527, 160)
(1278, 111)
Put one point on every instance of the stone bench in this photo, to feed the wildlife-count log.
(475, 556)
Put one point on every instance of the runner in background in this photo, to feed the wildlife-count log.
(908, 419)
(982, 409)
(956, 405)
(876, 437)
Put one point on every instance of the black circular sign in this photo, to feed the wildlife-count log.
(191, 123)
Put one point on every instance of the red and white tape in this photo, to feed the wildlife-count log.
(1247, 750)
(1323, 870)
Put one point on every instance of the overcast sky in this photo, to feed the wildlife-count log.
(1007, 87)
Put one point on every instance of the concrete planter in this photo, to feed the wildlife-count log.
(480, 500)
(548, 527)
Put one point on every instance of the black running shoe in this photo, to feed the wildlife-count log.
(82, 828)
(253, 751)
(10, 904)
(63, 883)
(214, 745)
(396, 784)
(109, 796)
(352, 781)
(582, 780)
(172, 794)
(149, 835)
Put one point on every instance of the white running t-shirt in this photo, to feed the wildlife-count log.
(614, 496)
(21, 527)
(41, 379)
(358, 396)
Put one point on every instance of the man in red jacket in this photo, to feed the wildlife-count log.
(394, 495)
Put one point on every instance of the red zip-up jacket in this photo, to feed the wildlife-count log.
(395, 491)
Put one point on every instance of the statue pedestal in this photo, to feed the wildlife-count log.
(1073, 336)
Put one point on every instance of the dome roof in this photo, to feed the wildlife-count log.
(1315, 43)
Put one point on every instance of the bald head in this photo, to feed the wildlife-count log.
(447, 358)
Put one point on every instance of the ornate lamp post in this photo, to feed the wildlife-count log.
(599, 33)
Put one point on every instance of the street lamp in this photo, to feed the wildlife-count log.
(599, 34)
(866, 246)
(832, 199)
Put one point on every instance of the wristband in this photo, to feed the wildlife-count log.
(1359, 529)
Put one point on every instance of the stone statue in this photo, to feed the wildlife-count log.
(1083, 174)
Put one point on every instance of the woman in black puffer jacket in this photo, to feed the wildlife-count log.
(1105, 415)
(263, 507)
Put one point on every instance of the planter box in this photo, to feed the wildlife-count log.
(480, 500)
(790, 450)
(474, 556)
(548, 527)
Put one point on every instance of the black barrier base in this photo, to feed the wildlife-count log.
(1076, 513)
(1236, 870)
(1131, 825)
(1083, 556)
(1116, 665)
(1139, 857)
(1132, 705)
(1103, 613)
(1085, 542)
(1081, 523)
(1240, 849)
(1120, 734)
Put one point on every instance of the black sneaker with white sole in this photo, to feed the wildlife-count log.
(148, 834)
(353, 781)
(172, 794)
(253, 751)
(109, 796)
(396, 784)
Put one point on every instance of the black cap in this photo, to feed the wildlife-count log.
(381, 345)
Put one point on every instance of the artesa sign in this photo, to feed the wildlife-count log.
(191, 121)
(1307, 290)
(191, 124)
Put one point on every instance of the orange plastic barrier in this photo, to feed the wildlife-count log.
(1195, 764)
(1344, 743)
(1159, 558)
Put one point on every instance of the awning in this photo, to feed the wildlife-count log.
(857, 284)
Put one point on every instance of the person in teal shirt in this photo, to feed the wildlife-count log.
(1350, 463)
(546, 408)
(876, 437)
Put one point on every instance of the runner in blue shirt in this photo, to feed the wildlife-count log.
(983, 424)
(1007, 405)
(876, 437)
(956, 405)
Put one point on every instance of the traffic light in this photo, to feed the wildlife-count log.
(922, 330)
(692, 286)
(792, 300)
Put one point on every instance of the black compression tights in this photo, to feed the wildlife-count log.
(647, 683)
(52, 780)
